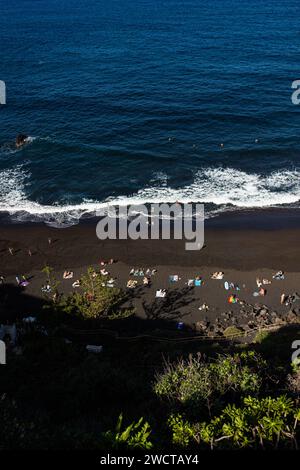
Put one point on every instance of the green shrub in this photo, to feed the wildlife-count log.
(182, 431)
(267, 422)
(135, 436)
(195, 382)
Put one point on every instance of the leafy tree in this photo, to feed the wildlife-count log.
(94, 299)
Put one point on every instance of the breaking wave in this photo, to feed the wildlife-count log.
(221, 189)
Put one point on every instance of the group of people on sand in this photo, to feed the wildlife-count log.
(218, 275)
(146, 274)
(131, 283)
(12, 251)
(103, 272)
(140, 272)
(104, 263)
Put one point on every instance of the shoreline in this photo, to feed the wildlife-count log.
(268, 218)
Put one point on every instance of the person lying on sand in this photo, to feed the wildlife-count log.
(46, 288)
(68, 275)
(217, 275)
(131, 284)
(161, 293)
(104, 272)
(76, 284)
(260, 282)
(262, 291)
(24, 283)
(279, 276)
(109, 283)
(282, 299)
(104, 263)
(204, 307)
(233, 299)
(146, 281)
(288, 300)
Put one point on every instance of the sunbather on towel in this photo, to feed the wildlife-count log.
(217, 275)
(279, 276)
(161, 293)
(68, 275)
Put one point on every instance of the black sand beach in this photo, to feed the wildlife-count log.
(245, 246)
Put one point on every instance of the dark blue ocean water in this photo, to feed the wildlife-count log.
(129, 101)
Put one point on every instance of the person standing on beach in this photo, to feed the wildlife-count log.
(29, 252)
(11, 251)
(49, 241)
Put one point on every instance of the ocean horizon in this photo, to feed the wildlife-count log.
(140, 102)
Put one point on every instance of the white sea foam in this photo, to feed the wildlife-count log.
(224, 187)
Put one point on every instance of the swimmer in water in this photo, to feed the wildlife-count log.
(21, 140)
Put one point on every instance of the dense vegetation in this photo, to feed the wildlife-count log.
(143, 394)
